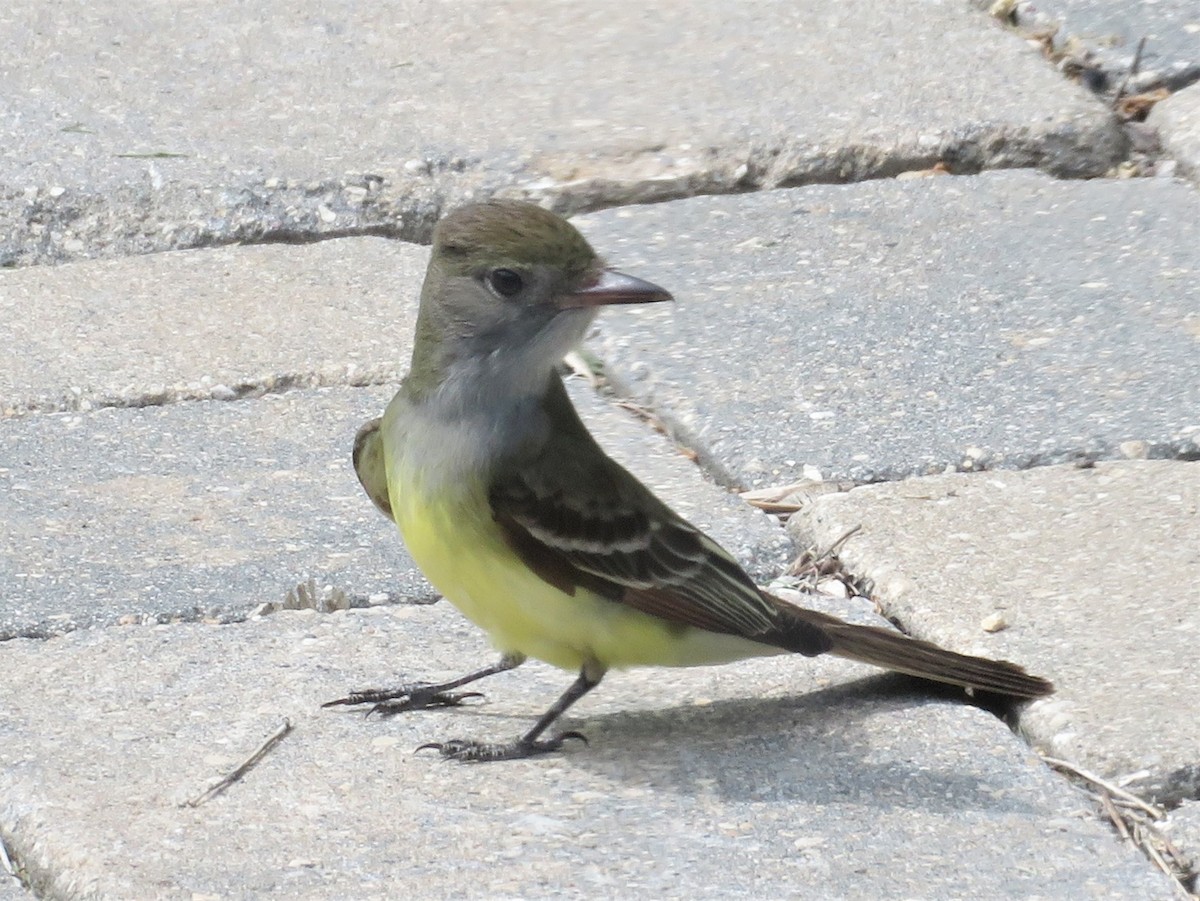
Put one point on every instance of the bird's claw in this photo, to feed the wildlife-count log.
(469, 751)
(415, 696)
(423, 702)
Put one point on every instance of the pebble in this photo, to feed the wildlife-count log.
(994, 623)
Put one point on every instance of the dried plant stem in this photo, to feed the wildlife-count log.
(1133, 819)
(1133, 70)
(246, 766)
(1115, 790)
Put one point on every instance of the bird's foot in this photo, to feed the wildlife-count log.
(468, 751)
(413, 696)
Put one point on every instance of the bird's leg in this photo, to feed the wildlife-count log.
(528, 745)
(420, 695)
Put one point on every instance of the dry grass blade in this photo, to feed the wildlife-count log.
(1115, 790)
(1118, 819)
(246, 766)
(1146, 837)
(641, 412)
(772, 500)
(1133, 70)
(650, 418)
(836, 547)
(1128, 814)
(810, 561)
(779, 508)
(772, 495)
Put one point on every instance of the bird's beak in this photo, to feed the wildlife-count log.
(611, 287)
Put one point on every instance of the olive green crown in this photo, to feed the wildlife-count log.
(510, 233)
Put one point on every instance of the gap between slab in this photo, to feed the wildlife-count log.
(272, 213)
(1184, 451)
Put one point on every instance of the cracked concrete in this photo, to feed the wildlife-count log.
(1081, 565)
(206, 511)
(898, 328)
(970, 323)
(1104, 35)
(354, 119)
(820, 783)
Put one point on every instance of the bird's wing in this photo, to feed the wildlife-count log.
(369, 466)
(577, 518)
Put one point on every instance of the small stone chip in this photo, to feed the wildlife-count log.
(1134, 450)
(994, 623)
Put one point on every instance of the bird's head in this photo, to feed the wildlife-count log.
(509, 290)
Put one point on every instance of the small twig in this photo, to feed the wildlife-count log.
(1167, 844)
(836, 547)
(1123, 804)
(773, 494)
(650, 418)
(1133, 70)
(1128, 815)
(1109, 787)
(1118, 820)
(812, 558)
(246, 766)
(1144, 842)
(771, 500)
(1152, 853)
(779, 508)
(642, 412)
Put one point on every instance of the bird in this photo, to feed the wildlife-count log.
(518, 517)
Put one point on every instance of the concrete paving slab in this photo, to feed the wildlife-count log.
(879, 330)
(133, 126)
(1095, 574)
(762, 779)
(208, 510)
(1178, 120)
(218, 323)
(12, 890)
(1106, 34)
(11, 887)
(199, 510)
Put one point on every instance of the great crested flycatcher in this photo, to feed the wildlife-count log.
(520, 520)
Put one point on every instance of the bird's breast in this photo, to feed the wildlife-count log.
(438, 487)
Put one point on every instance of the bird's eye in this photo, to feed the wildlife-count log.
(505, 282)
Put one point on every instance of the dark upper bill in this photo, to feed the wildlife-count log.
(612, 287)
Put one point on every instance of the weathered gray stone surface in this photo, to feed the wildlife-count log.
(878, 330)
(12, 890)
(208, 510)
(280, 121)
(1095, 572)
(867, 332)
(1178, 119)
(764, 779)
(1105, 34)
(217, 323)
(198, 510)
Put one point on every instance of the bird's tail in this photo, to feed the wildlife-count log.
(895, 651)
(880, 647)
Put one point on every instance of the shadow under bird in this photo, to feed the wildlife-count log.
(518, 517)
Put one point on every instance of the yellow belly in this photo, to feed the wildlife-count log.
(462, 552)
